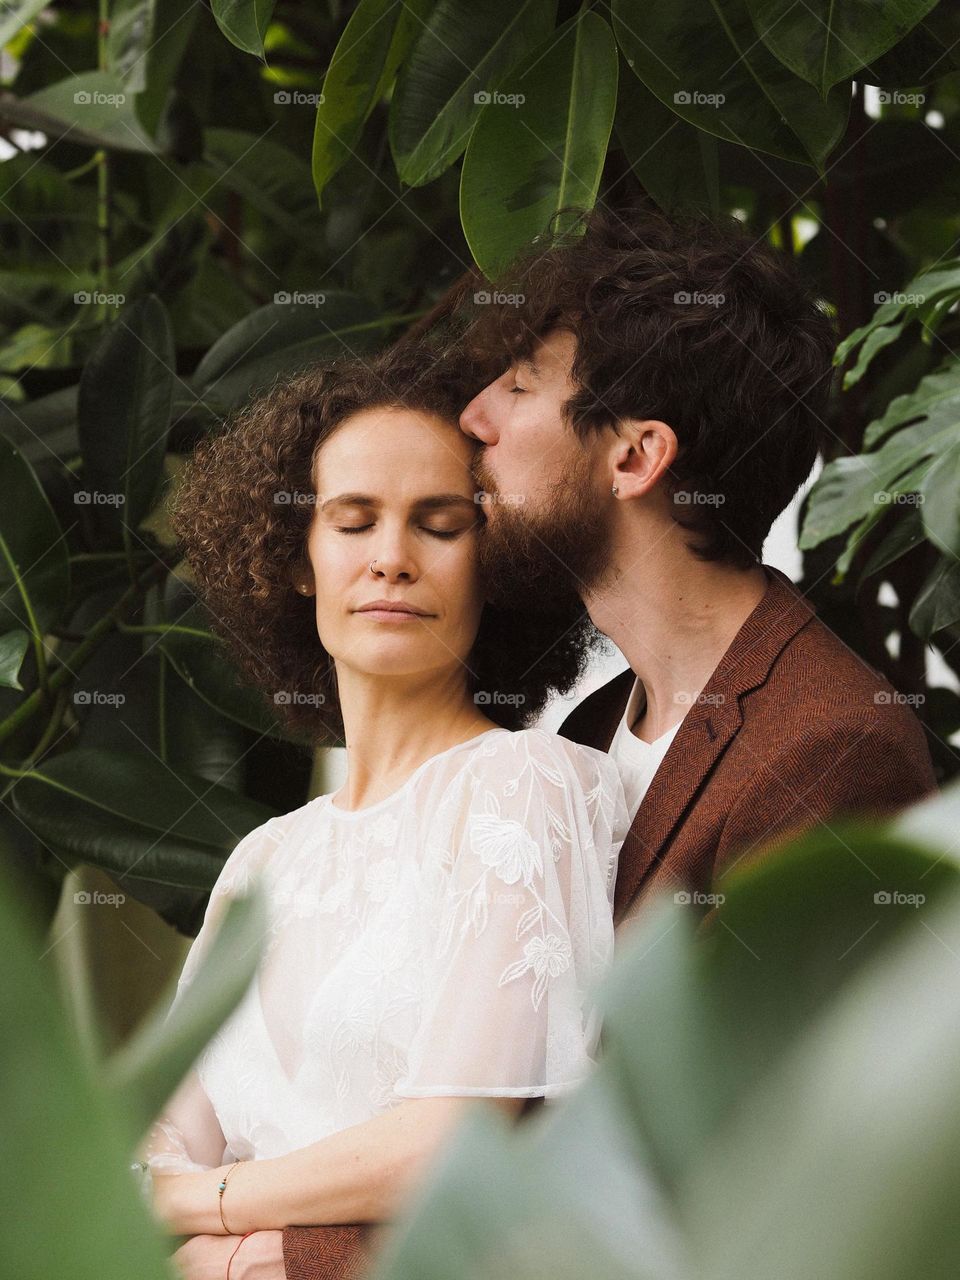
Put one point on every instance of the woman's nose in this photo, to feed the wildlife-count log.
(393, 563)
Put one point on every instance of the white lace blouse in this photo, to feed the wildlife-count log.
(445, 940)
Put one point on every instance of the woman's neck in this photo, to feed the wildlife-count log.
(391, 726)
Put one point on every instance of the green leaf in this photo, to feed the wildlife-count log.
(907, 533)
(123, 408)
(92, 109)
(683, 48)
(374, 43)
(13, 650)
(34, 564)
(199, 661)
(937, 604)
(173, 23)
(826, 41)
(274, 179)
(282, 337)
(149, 1066)
(675, 162)
(941, 500)
(244, 22)
(130, 813)
(88, 1221)
(525, 162)
(129, 37)
(16, 15)
(917, 428)
(456, 63)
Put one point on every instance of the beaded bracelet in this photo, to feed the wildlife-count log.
(221, 1187)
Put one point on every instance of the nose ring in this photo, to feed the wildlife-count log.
(372, 566)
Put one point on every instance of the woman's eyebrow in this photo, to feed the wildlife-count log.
(432, 502)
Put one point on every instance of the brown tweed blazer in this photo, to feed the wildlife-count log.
(791, 730)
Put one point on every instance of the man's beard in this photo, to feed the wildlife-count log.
(546, 561)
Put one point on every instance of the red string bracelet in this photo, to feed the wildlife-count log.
(234, 1254)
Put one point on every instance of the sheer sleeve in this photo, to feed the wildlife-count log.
(528, 838)
(186, 1136)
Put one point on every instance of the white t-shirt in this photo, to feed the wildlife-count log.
(637, 760)
(438, 942)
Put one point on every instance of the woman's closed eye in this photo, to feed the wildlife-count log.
(436, 533)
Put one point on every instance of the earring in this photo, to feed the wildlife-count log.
(614, 490)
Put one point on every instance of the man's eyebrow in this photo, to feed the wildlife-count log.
(434, 502)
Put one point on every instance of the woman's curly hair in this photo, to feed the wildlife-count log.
(242, 512)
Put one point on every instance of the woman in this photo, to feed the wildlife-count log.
(437, 923)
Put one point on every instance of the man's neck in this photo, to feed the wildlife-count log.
(673, 625)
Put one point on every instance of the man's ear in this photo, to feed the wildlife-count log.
(645, 450)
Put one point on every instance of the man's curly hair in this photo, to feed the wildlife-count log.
(242, 512)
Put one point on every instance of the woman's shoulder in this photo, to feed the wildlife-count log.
(553, 756)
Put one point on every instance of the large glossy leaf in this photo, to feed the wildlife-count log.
(374, 42)
(675, 162)
(92, 109)
(244, 22)
(274, 179)
(705, 62)
(282, 337)
(456, 63)
(173, 24)
(34, 565)
(88, 1222)
(864, 1112)
(789, 935)
(825, 41)
(123, 407)
(127, 812)
(129, 37)
(148, 1068)
(540, 145)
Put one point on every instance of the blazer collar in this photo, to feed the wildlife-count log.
(705, 730)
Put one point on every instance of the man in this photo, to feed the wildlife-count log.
(663, 402)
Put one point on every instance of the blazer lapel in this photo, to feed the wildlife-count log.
(705, 731)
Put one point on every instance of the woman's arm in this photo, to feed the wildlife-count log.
(360, 1174)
